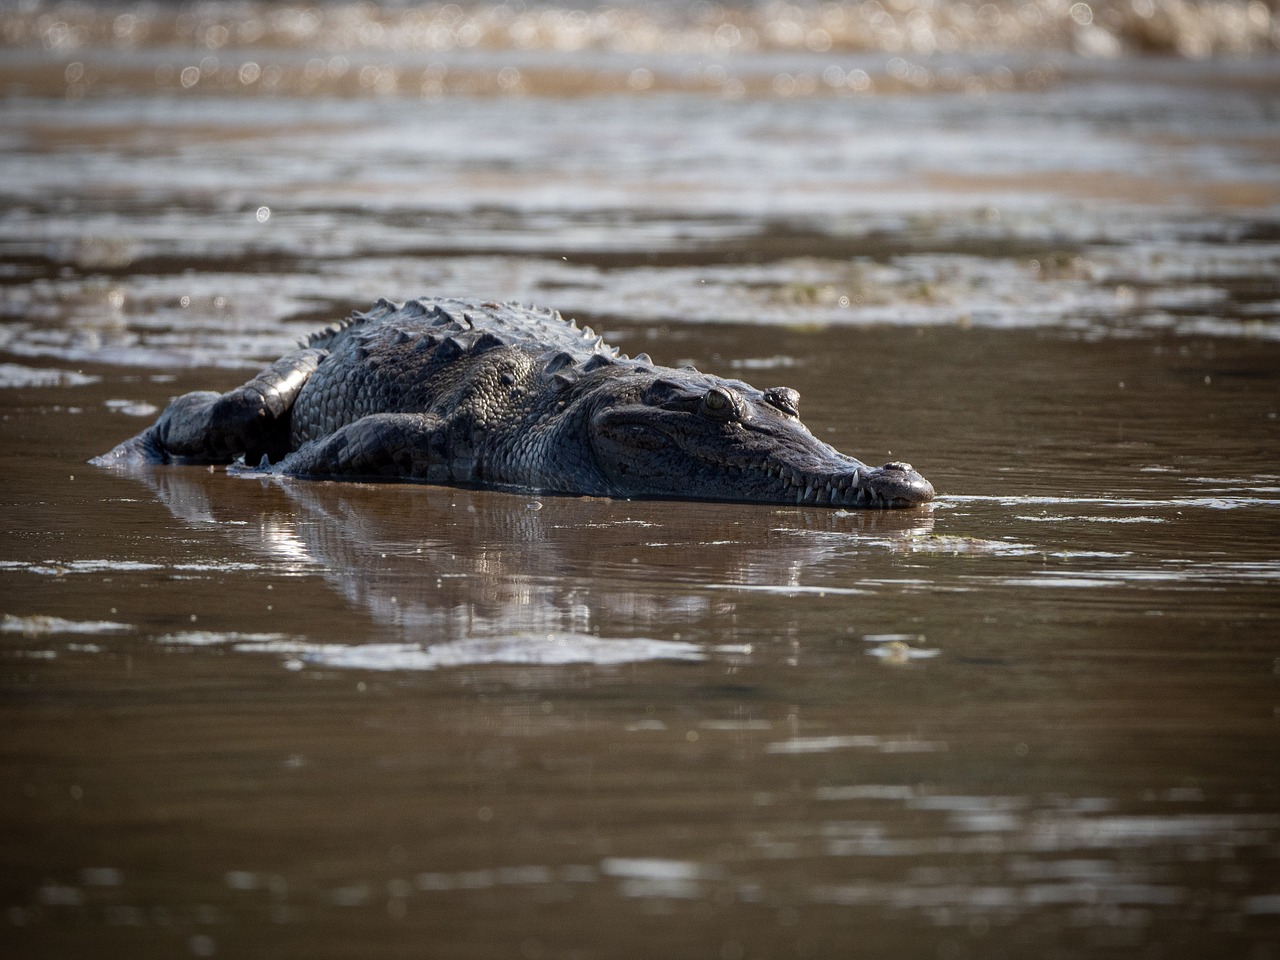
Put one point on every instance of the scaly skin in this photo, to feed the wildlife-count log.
(501, 395)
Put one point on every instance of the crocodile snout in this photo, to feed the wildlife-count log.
(898, 483)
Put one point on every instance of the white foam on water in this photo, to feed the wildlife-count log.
(547, 650)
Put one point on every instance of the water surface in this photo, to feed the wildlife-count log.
(249, 717)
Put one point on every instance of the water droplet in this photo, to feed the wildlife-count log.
(1082, 14)
(640, 79)
(509, 78)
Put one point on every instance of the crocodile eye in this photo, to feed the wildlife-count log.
(719, 404)
(784, 399)
(660, 392)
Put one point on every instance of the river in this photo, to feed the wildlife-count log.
(1033, 248)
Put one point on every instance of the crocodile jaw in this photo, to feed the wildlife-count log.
(644, 453)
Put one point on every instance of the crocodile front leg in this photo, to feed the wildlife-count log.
(381, 446)
(205, 427)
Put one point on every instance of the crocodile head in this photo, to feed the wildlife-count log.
(689, 435)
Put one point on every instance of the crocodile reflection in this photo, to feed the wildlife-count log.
(442, 564)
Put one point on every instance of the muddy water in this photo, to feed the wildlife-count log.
(247, 718)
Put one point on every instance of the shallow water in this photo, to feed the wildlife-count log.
(1036, 719)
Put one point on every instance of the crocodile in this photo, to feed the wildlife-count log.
(502, 395)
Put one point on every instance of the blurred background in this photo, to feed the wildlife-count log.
(174, 173)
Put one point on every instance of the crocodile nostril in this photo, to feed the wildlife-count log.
(898, 465)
